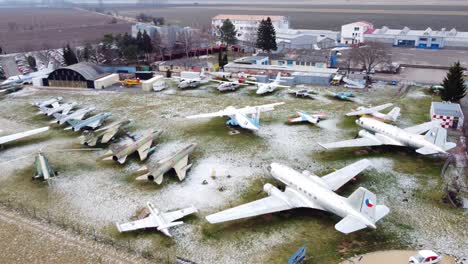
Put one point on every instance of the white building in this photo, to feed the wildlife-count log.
(450, 114)
(246, 25)
(354, 33)
(306, 39)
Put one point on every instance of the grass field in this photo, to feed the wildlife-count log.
(89, 192)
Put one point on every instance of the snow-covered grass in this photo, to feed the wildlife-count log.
(94, 193)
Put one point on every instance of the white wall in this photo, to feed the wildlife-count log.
(353, 33)
(106, 81)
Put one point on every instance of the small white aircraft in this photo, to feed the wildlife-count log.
(229, 85)
(52, 102)
(76, 115)
(304, 189)
(23, 79)
(63, 108)
(157, 219)
(377, 133)
(306, 117)
(374, 112)
(263, 88)
(14, 137)
(191, 82)
(247, 117)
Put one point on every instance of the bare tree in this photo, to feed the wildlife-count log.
(186, 39)
(370, 55)
(45, 54)
(250, 40)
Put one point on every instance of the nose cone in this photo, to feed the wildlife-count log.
(261, 90)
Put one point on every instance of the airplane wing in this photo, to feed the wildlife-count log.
(181, 167)
(369, 110)
(338, 178)
(214, 114)
(358, 142)
(110, 133)
(20, 135)
(349, 224)
(172, 216)
(147, 222)
(421, 128)
(144, 150)
(95, 123)
(263, 108)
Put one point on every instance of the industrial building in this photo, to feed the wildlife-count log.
(256, 60)
(430, 39)
(301, 58)
(450, 114)
(306, 39)
(274, 69)
(246, 25)
(353, 33)
(80, 75)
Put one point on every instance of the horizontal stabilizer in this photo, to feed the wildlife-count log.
(427, 151)
(349, 224)
(381, 211)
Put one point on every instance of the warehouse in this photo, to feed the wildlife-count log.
(450, 114)
(80, 75)
(306, 39)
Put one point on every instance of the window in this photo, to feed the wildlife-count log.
(422, 39)
(356, 29)
(434, 39)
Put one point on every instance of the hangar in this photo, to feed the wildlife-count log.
(80, 75)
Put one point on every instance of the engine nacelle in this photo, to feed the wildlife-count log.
(273, 191)
(365, 134)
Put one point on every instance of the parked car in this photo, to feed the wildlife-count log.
(425, 257)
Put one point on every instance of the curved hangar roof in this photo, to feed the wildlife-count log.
(82, 71)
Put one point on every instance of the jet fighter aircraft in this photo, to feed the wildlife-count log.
(17, 136)
(247, 117)
(374, 112)
(377, 133)
(156, 219)
(178, 161)
(304, 189)
(344, 96)
(92, 122)
(52, 102)
(141, 143)
(76, 115)
(63, 108)
(263, 88)
(42, 168)
(306, 117)
(91, 138)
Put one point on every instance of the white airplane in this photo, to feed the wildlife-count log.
(263, 88)
(377, 133)
(191, 82)
(306, 117)
(23, 79)
(52, 102)
(229, 85)
(63, 108)
(223, 75)
(374, 112)
(304, 189)
(157, 219)
(13, 137)
(76, 115)
(247, 117)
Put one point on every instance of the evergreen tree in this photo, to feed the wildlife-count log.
(1, 50)
(228, 33)
(87, 52)
(225, 59)
(32, 62)
(266, 36)
(146, 43)
(139, 40)
(69, 56)
(454, 84)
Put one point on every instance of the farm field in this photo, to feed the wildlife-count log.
(92, 193)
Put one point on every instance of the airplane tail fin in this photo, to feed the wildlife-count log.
(202, 73)
(438, 136)
(394, 113)
(364, 201)
(278, 77)
(256, 117)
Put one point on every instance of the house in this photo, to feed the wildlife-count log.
(306, 39)
(301, 58)
(353, 33)
(450, 114)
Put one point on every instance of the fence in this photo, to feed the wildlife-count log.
(86, 232)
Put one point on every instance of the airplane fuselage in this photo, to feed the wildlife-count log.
(75, 115)
(312, 191)
(266, 88)
(394, 135)
(86, 122)
(172, 161)
(129, 149)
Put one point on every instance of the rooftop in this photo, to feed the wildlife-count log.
(447, 109)
(248, 17)
(89, 71)
(361, 23)
(410, 32)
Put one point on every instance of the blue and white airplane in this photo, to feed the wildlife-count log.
(24, 79)
(345, 96)
(247, 117)
(306, 117)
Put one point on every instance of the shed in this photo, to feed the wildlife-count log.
(312, 78)
(450, 114)
(80, 75)
(147, 85)
(106, 81)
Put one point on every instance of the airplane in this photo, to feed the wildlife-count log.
(229, 85)
(191, 82)
(263, 88)
(377, 133)
(63, 108)
(91, 122)
(23, 79)
(130, 82)
(14, 137)
(52, 102)
(138, 142)
(374, 112)
(306, 117)
(302, 93)
(76, 115)
(344, 96)
(91, 138)
(178, 161)
(307, 190)
(156, 219)
(247, 117)
(10, 88)
(42, 167)
(221, 75)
